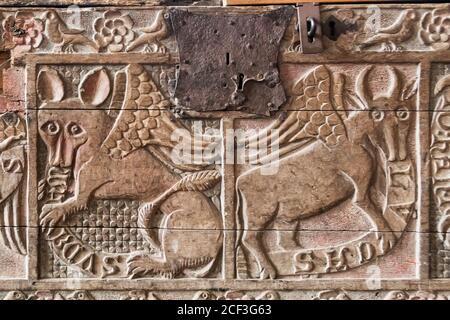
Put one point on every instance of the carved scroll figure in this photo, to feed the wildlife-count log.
(329, 155)
(12, 168)
(392, 36)
(439, 158)
(65, 38)
(127, 157)
(152, 35)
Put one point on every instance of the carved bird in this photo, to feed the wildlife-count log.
(141, 295)
(152, 35)
(65, 38)
(332, 295)
(15, 295)
(419, 295)
(80, 295)
(390, 37)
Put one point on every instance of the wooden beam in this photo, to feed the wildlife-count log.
(276, 2)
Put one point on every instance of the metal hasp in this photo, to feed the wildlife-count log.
(310, 29)
(228, 61)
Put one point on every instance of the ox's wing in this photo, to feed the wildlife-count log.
(314, 112)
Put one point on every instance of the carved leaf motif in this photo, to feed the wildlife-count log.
(50, 87)
(95, 87)
(199, 181)
(409, 90)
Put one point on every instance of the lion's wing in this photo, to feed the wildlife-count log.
(143, 119)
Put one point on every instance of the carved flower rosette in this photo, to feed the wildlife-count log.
(22, 30)
(114, 31)
(435, 29)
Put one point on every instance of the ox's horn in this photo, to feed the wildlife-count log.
(362, 88)
(442, 84)
(394, 83)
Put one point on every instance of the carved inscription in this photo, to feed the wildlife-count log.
(440, 157)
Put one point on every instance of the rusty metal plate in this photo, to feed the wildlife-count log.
(229, 61)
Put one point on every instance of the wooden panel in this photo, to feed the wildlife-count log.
(276, 2)
(339, 193)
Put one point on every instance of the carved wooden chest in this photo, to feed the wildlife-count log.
(178, 151)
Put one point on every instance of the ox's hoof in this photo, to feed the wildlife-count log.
(268, 272)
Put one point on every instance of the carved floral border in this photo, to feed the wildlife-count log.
(112, 31)
(117, 31)
(227, 295)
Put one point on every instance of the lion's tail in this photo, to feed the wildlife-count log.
(241, 262)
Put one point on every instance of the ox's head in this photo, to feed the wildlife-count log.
(387, 112)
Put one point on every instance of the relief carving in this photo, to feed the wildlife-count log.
(227, 295)
(332, 295)
(48, 295)
(360, 196)
(95, 157)
(327, 123)
(152, 35)
(207, 295)
(419, 295)
(22, 31)
(114, 31)
(64, 38)
(49, 31)
(392, 295)
(439, 153)
(435, 29)
(236, 295)
(372, 29)
(12, 178)
(390, 37)
(347, 30)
